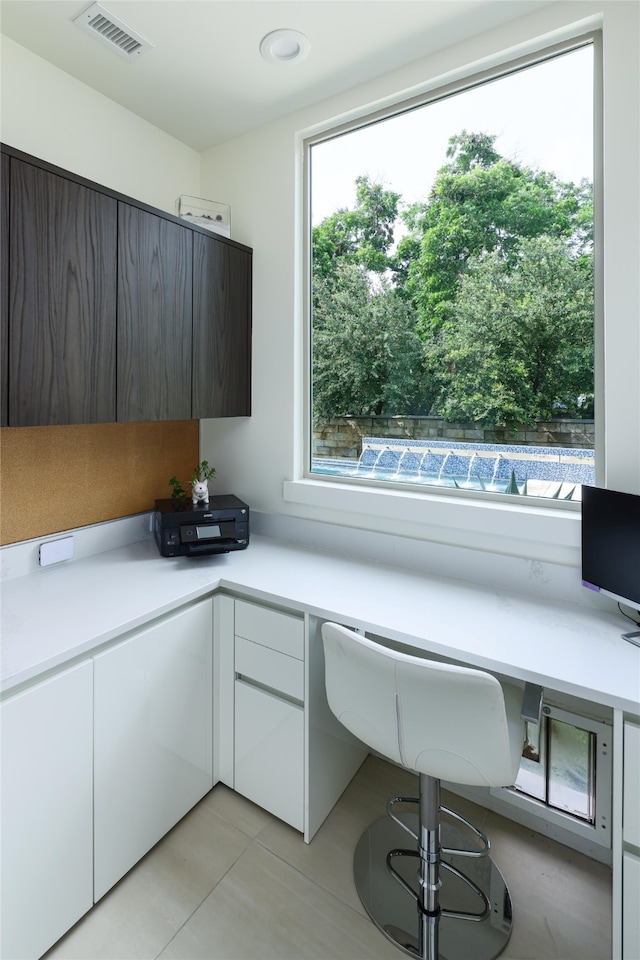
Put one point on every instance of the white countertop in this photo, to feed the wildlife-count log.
(60, 613)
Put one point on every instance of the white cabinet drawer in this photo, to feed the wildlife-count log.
(282, 673)
(631, 807)
(269, 752)
(271, 628)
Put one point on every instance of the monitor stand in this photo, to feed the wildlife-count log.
(633, 637)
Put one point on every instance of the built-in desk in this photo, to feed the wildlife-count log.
(58, 617)
(60, 613)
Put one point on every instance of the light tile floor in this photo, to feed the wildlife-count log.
(230, 882)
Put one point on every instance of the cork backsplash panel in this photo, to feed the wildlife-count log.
(56, 478)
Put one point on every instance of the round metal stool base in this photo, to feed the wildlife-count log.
(396, 913)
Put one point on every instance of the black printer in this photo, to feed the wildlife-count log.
(183, 529)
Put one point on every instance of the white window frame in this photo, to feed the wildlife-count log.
(531, 527)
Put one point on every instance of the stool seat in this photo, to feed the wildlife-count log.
(433, 895)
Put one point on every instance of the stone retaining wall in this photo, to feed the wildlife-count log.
(342, 436)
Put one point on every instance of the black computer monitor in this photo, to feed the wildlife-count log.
(611, 543)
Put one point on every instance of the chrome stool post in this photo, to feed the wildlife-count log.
(419, 910)
(428, 900)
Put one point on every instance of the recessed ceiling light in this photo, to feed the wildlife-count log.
(284, 46)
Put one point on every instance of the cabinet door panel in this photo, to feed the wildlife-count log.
(631, 784)
(153, 737)
(62, 313)
(154, 317)
(222, 329)
(269, 752)
(630, 901)
(47, 812)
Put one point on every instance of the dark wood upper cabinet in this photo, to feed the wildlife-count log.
(113, 310)
(4, 292)
(221, 329)
(62, 271)
(154, 317)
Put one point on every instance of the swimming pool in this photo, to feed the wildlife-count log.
(547, 471)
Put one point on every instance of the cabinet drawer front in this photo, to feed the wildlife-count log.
(269, 667)
(269, 753)
(271, 628)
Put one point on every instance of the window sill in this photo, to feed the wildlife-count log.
(520, 530)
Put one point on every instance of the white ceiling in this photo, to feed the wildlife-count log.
(205, 82)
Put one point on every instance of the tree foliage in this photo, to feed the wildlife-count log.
(483, 312)
(361, 236)
(519, 347)
(367, 356)
(480, 203)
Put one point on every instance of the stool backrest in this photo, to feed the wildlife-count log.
(450, 722)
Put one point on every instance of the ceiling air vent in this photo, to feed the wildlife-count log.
(112, 31)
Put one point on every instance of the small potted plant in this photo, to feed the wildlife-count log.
(178, 493)
(199, 486)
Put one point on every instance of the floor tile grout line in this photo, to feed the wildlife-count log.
(232, 823)
(206, 897)
(255, 841)
(319, 886)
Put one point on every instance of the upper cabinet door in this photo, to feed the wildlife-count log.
(154, 317)
(221, 329)
(4, 294)
(62, 311)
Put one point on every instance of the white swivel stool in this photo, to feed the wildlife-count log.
(444, 722)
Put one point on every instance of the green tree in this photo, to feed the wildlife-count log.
(361, 236)
(480, 203)
(367, 356)
(494, 276)
(519, 346)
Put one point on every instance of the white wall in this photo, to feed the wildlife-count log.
(53, 116)
(260, 176)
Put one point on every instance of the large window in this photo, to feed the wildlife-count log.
(452, 293)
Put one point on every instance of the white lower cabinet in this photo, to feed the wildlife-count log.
(101, 760)
(46, 812)
(269, 752)
(153, 737)
(278, 742)
(268, 710)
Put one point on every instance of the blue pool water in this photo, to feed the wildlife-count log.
(466, 465)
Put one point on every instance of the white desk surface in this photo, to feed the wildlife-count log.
(61, 613)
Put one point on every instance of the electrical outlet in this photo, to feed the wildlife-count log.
(55, 551)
